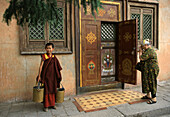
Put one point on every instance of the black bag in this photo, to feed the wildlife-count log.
(139, 66)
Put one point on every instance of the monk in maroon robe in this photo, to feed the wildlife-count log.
(50, 76)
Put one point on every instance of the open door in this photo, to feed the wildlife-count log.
(127, 52)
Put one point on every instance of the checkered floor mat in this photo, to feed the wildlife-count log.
(102, 100)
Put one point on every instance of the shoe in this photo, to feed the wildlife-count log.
(151, 102)
(145, 97)
(54, 107)
(45, 109)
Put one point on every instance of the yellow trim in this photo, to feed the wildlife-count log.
(107, 2)
(46, 56)
(110, 2)
(80, 44)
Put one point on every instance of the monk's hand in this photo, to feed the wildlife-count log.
(39, 78)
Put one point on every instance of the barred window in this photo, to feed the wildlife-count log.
(147, 15)
(108, 31)
(137, 16)
(57, 33)
(34, 38)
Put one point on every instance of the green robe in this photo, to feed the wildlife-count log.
(149, 71)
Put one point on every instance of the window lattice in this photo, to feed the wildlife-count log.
(36, 33)
(58, 32)
(137, 16)
(147, 26)
(108, 32)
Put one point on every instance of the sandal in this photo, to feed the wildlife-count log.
(45, 109)
(145, 97)
(151, 102)
(54, 107)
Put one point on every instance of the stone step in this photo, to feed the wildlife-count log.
(162, 107)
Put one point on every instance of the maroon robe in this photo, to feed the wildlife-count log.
(50, 77)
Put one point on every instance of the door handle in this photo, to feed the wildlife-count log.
(133, 51)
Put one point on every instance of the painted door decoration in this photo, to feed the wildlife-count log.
(107, 65)
(126, 52)
(108, 62)
(90, 54)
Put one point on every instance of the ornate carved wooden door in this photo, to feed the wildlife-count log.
(91, 38)
(126, 52)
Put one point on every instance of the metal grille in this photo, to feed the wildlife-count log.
(108, 32)
(57, 32)
(147, 26)
(137, 16)
(36, 33)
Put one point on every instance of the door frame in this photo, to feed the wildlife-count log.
(77, 25)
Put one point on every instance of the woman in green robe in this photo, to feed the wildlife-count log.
(150, 71)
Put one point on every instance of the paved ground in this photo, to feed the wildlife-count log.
(68, 109)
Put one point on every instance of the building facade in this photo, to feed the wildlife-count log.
(94, 54)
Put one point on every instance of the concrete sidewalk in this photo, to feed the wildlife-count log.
(68, 109)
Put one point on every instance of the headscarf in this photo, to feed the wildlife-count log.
(145, 41)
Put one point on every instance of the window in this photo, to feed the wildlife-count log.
(147, 15)
(108, 32)
(33, 39)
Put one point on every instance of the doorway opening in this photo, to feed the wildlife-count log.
(108, 52)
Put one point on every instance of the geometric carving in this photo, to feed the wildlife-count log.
(91, 37)
(134, 36)
(127, 36)
(126, 52)
(120, 52)
(88, 10)
(112, 12)
(101, 12)
(127, 67)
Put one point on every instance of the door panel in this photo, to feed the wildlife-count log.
(126, 52)
(91, 53)
(91, 37)
(110, 12)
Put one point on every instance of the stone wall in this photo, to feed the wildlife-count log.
(164, 39)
